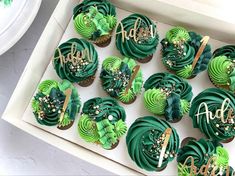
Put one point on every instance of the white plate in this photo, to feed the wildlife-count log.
(15, 20)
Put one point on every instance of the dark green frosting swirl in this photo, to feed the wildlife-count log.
(178, 57)
(227, 50)
(48, 102)
(215, 129)
(102, 122)
(145, 46)
(202, 151)
(176, 95)
(144, 143)
(81, 70)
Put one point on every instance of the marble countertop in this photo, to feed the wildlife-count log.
(21, 153)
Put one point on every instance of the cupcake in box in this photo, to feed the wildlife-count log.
(121, 78)
(152, 143)
(212, 111)
(77, 61)
(102, 122)
(167, 94)
(203, 157)
(56, 103)
(95, 20)
(221, 69)
(185, 53)
(137, 37)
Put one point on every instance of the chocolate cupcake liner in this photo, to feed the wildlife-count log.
(186, 140)
(146, 59)
(65, 127)
(114, 145)
(103, 41)
(87, 82)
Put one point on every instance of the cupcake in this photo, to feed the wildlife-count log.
(121, 78)
(152, 143)
(102, 122)
(56, 104)
(185, 53)
(95, 20)
(77, 61)
(167, 94)
(212, 111)
(137, 38)
(221, 69)
(203, 157)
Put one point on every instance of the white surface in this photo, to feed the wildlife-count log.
(41, 56)
(15, 20)
(133, 111)
(21, 153)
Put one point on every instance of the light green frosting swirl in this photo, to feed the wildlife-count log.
(222, 157)
(186, 72)
(120, 128)
(87, 129)
(46, 86)
(177, 35)
(155, 101)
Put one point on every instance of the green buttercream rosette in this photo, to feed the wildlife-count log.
(76, 60)
(102, 122)
(145, 41)
(214, 128)
(48, 103)
(179, 49)
(94, 19)
(167, 94)
(203, 153)
(221, 69)
(115, 77)
(144, 141)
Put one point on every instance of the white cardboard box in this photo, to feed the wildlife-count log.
(58, 30)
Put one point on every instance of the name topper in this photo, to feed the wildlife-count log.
(204, 169)
(74, 56)
(220, 113)
(133, 33)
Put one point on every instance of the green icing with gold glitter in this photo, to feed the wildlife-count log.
(102, 122)
(115, 76)
(93, 19)
(167, 94)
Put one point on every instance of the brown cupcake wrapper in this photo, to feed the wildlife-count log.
(186, 140)
(130, 102)
(87, 82)
(114, 145)
(65, 127)
(146, 59)
(103, 41)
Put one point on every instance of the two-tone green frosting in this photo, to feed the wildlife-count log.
(216, 127)
(48, 103)
(179, 49)
(102, 122)
(203, 153)
(144, 142)
(81, 60)
(167, 94)
(146, 38)
(115, 76)
(221, 69)
(93, 19)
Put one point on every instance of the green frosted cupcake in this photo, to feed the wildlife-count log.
(137, 37)
(221, 69)
(167, 94)
(121, 78)
(102, 122)
(212, 111)
(56, 104)
(152, 143)
(77, 61)
(95, 20)
(179, 49)
(203, 153)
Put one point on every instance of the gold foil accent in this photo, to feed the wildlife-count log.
(204, 41)
(167, 133)
(68, 93)
(135, 71)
